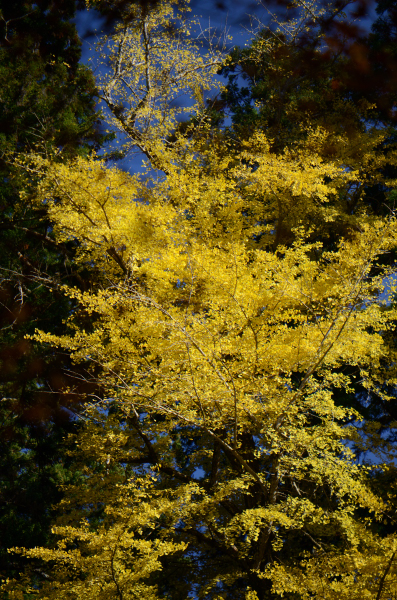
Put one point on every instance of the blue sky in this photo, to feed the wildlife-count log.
(234, 16)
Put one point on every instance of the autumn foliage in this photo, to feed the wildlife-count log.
(243, 293)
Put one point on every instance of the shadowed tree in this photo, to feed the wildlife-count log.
(48, 104)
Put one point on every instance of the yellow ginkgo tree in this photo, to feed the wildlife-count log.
(216, 462)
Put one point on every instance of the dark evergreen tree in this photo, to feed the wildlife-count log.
(47, 104)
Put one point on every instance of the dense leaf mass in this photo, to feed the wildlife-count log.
(236, 332)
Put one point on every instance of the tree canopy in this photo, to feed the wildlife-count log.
(239, 313)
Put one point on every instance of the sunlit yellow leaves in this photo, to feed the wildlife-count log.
(200, 327)
(152, 62)
(117, 557)
(226, 318)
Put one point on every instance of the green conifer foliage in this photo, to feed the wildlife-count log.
(47, 103)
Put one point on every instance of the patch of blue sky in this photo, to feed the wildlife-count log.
(215, 21)
(198, 474)
(388, 295)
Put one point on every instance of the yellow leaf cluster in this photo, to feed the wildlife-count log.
(221, 329)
